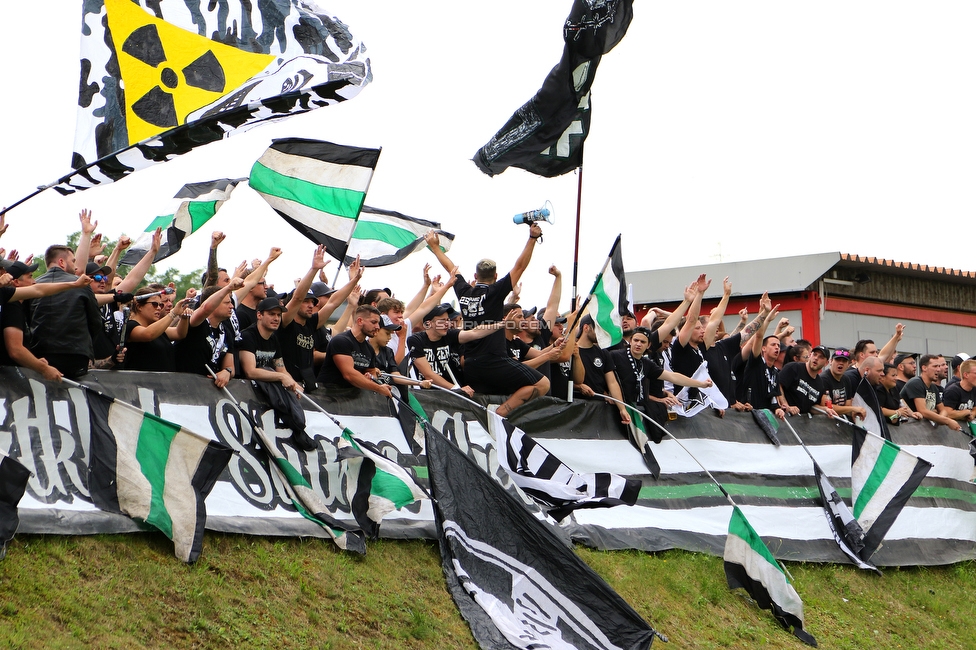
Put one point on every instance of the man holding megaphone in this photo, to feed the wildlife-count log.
(487, 365)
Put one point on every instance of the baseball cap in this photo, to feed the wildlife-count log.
(94, 269)
(321, 290)
(387, 323)
(901, 357)
(841, 353)
(529, 312)
(958, 359)
(438, 310)
(822, 350)
(269, 304)
(18, 268)
(562, 320)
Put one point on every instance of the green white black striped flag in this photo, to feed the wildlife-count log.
(200, 202)
(384, 237)
(883, 478)
(750, 565)
(637, 431)
(380, 487)
(13, 483)
(152, 470)
(306, 500)
(412, 417)
(609, 295)
(317, 187)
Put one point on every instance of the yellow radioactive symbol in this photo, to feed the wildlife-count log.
(169, 72)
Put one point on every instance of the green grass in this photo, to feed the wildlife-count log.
(128, 591)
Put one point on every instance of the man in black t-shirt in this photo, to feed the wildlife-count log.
(209, 341)
(14, 324)
(889, 397)
(258, 348)
(598, 376)
(436, 351)
(487, 366)
(839, 385)
(801, 384)
(350, 360)
(959, 397)
(304, 315)
(923, 394)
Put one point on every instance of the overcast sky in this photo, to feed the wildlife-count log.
(720, 132)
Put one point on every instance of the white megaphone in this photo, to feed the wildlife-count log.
(542, 214)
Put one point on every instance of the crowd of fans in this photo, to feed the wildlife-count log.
(80, 314)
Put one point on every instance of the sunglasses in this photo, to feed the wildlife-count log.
(155, 304)
(842, 353)
(98, 277)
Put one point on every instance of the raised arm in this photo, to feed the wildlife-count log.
(203, 312)
(255, 276)
(522, 262)
(84, 241)
(113, 259)
(212, 267)
(551, 312)
(411, 306)
(765, 306)
(341, 294)
(684, 335)
(301, 290)
(715, 318)
(138, 272)
(434, 244)
(887, 353)
(440, 290)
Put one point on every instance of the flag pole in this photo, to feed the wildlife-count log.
(579, 203)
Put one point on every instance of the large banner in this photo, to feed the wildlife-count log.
(46, 427)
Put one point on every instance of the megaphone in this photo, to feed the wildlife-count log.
(542, 214)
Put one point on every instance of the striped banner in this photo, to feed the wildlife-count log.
(775, 487)
(318, 187)
(384, 237)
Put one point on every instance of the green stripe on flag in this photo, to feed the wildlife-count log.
(605, 307)
(772, 419)
(741, 528)
(160, 222)
(391, 488)
(886, 458)
(293, 475)
(200, 212)
(421, 471)
(384, 232)
(333, 200)
(152, 451)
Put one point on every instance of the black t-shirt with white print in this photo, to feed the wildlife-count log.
(441, 354)
(482, 304)
(345, 344)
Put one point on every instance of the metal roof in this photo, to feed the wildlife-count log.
(749, 278)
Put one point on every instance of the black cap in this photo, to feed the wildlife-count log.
(530, 312)
(437, 310)
(92, 269)
(841, 353)
(269, 303)
(958, 359)
(562, 320)
(18, 268)
(587, 320)
(321, 289)
(822, 350)
(901, 357)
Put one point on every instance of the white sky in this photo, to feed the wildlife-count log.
(721, 131)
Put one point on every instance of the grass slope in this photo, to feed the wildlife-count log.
(128, 591)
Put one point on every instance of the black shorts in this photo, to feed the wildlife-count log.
(498, 375)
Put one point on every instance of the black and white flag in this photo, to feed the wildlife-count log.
(513, 581)
(545, 136)
(549, 480)
(846, 530)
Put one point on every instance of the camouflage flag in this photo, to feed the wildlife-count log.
(159, 79)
